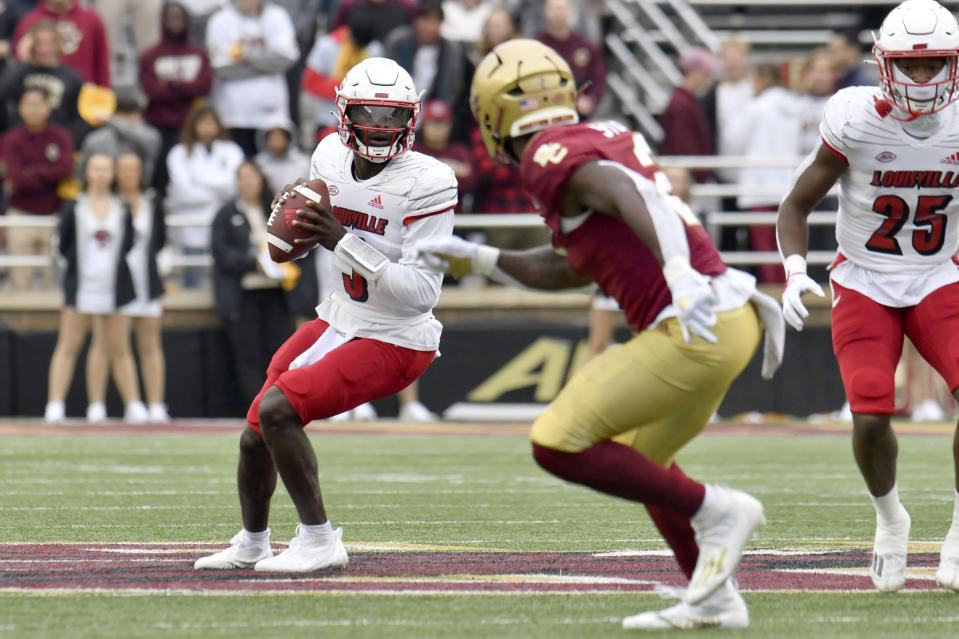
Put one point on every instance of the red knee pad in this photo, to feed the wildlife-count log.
(870, 391)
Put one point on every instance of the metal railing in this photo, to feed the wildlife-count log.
(712, 218)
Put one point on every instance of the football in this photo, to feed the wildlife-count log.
(280, 232)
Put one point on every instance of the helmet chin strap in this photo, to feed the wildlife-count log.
(922, 125)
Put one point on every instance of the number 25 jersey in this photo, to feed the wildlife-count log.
(897, 204)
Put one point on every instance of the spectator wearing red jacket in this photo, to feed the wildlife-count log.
(686, 130)
(173, 74)
(83, 38)
(38, 155)
(583, 57)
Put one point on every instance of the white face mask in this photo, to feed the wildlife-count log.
(919, 98)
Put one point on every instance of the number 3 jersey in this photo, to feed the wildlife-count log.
(897, 225)
(410, 199)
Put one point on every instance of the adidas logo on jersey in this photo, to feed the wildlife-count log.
(377, 202)
(952, 159)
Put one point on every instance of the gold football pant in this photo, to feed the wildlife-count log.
(654, 392)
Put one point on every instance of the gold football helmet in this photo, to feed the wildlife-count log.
(520, 87)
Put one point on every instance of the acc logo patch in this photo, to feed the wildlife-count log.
(886, 156)
(333, 189)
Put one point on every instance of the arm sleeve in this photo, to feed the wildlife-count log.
(281, 50)
(67, 229)
(203, 83)
(408, 281)
(63, 167)
(149, 82)
(597, 73)
(128, 233)
(431, 202)
(158, 237)
(10, 79)
(101, 53)
(183, 188)
(17, 173)
(223, 182)
(219, 41)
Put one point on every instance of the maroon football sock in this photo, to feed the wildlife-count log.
(622, 471)
(677, 532)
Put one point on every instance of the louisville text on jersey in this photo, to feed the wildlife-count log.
(916, 179)
(360, 221)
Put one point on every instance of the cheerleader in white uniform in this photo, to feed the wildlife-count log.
(146, 310)
(96, 233)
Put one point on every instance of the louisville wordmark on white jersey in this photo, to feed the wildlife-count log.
(410, 199)
(898, 203)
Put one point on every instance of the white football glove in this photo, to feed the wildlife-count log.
(456, 256)
(693, 298)
(794, 311)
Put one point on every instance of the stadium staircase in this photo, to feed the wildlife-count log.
(645, 38)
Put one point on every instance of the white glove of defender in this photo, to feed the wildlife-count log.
(456, 256)
(794, 311)
(693, 298)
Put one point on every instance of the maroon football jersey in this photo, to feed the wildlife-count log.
(604, 247)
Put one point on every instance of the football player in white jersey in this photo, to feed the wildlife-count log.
(893, 150)
(376, 332)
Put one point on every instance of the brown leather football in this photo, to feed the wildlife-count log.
(280, 232)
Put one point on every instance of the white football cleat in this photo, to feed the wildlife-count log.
(725, 608)
(948, 573)
(416, 412)
(306, 555)
(888, 567)
(55, 412)
(157, 413)
(721, 534)
(136, 413)
(242, 553)
(97, 412)
(364, 413)
(928, 410)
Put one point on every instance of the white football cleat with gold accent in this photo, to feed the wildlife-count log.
(725, 608)
(722, 527)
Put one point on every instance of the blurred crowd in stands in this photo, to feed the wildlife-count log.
(221, 103)
(195, 87)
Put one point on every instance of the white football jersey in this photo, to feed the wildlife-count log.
(898, 204)
(410, 199)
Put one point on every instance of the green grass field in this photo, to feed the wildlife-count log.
(449, 493)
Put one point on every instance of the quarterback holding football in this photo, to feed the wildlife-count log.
(893, 150)
(374, 335)
(618, 423)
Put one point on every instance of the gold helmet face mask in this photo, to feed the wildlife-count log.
(521, 87)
